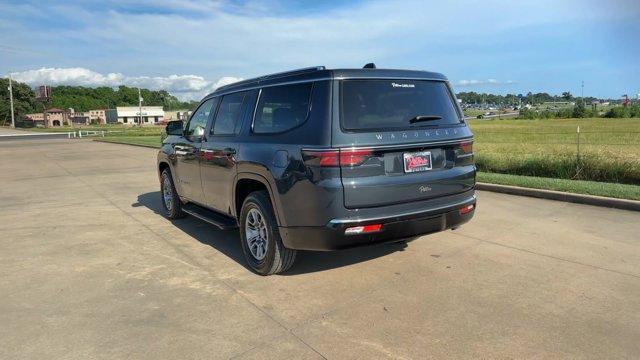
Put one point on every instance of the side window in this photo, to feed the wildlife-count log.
(281, 108)
(195, 127)
(229, 114)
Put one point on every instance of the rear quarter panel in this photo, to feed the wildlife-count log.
(301, 197)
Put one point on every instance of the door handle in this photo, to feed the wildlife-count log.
(228, 151)
(225, 152)
(181, 150)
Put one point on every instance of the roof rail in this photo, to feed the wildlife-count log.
(274, 76)
(293, 72)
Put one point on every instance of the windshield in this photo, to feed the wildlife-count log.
(392, 104)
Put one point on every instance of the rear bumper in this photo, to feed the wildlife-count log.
(394, 227)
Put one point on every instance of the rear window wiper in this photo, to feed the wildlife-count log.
(421, 118)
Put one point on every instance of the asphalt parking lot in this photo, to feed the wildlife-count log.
(90, 269)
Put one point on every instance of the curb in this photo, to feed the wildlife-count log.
(562, 196)
(124, 143)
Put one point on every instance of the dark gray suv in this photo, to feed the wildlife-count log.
(320, 159)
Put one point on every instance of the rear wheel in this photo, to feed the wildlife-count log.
(261, 242)
(170, 200)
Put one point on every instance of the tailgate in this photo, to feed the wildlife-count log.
(383, 176)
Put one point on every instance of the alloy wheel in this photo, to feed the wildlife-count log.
(256, 234)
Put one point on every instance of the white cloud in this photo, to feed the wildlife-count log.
(191, 87)
(464, 83)
(185, 87)
(214, 38)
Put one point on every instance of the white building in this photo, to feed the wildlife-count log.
(131, 115)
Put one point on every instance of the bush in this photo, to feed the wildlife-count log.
(579, 111)
(618, 112)
(527, 114)
(565, 113)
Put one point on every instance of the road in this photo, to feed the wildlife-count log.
(496, 116)
(90, 270)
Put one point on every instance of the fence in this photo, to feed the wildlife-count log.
(89, 133)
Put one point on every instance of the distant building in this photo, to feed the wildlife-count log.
(177, 115)
(98, 115)
(54, 117)
(78, 118)
(130, 115)
(36, 118)
(111, 116)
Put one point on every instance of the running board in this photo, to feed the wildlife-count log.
(214, 218)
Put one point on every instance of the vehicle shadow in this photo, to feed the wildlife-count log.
(228, 243)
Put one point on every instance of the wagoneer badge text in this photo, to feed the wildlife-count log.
(416, 134)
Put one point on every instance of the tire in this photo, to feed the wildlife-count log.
(171, 203)
(272, 257)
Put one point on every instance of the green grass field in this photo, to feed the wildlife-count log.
(609, 148)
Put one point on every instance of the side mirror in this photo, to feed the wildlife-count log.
(175, 128)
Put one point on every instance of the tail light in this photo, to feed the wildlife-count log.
(354, 157)
(337, 157)
(464, 154)
(466, 147)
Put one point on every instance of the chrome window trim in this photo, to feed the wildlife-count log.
(255, 109)
(271, 85)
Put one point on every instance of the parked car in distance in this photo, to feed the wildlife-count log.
(322, 159)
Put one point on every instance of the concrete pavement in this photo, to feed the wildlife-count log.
(90, 270)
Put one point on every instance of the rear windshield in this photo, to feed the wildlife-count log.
(392, 104)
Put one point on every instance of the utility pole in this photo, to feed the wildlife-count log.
(13, 120)
(140, 106)
(582, 92)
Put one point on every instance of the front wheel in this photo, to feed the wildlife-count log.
(261, 242)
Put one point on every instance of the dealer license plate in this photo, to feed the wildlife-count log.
(417, 161)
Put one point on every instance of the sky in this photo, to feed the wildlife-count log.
(191, 47)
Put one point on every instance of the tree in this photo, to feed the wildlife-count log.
(567, 96)
(24, 101)
(83, 99)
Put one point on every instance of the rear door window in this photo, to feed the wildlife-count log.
(368, 105)
(229, 114)
(281, 108)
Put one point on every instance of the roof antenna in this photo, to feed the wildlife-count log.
(369, 66)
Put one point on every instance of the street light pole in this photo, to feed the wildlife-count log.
(13, 120)
(140, 106)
